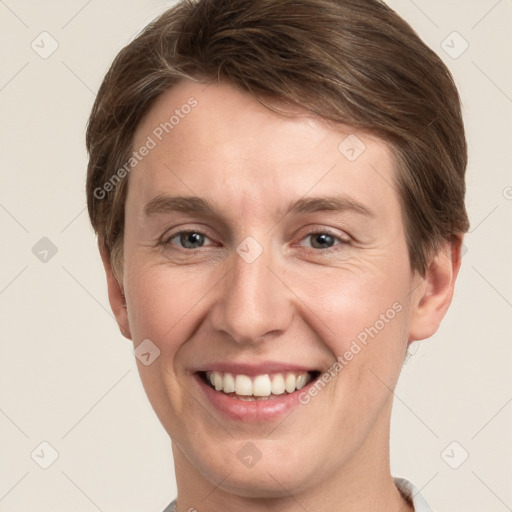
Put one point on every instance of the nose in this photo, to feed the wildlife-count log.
(254, 304)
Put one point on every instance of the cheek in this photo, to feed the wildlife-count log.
(363, 323)
(346, 302)
(165, 305)
(363, 319)
(163, 301)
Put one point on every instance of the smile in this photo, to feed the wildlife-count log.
(255, 392)
(258, 387)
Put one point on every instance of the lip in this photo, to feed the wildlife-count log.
(257, 411)
(251, 369)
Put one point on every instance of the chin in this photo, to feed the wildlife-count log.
(253, 483)
(278, 472)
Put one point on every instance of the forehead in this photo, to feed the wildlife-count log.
(221, 143)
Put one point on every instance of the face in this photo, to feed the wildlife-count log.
(262, 259)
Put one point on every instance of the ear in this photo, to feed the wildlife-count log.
(115, 293)
(433, 293)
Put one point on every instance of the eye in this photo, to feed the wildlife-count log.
(187, 240)
(322, 240)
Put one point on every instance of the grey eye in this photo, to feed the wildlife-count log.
(190, 239)
(322, 240)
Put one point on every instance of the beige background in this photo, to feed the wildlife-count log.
(68, 377)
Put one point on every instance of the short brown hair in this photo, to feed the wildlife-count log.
(349, 61)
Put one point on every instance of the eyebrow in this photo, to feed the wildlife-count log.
(192, 204)
(340, 203)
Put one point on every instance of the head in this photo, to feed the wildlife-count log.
(271, 183)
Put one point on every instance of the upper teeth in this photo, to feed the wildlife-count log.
(259, 385)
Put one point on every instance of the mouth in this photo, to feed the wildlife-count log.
(250, 388)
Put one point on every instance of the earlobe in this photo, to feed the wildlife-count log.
(431, 298)
(115, 293)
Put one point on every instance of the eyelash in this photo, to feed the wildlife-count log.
(341, 242)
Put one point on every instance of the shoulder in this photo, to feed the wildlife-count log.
(170, 507)
(406, 488)
(412, 494)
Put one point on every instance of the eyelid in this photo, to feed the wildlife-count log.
(179, 233)
(340, 235)
(171, 233)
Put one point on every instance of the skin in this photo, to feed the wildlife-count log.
(297, 302)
